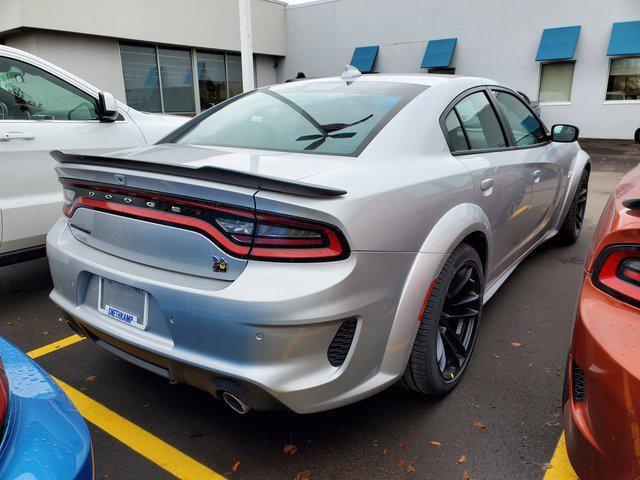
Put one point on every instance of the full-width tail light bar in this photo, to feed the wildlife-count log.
(617, 272)
(241, 232)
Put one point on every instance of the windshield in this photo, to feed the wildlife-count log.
(315, 117)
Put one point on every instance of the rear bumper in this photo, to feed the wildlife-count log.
(269, 329)
(45, 436)
(603, 429)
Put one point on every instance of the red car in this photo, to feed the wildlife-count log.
(602, 385)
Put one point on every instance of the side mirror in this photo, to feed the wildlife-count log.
(108, 107)
(564, 133)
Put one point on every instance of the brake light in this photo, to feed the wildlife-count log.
(241, 232)
(4, 397)
(617, 272)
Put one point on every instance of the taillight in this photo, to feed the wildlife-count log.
(617, 272)
(4, 397)
(241, 232)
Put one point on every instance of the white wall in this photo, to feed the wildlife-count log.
(93, 59)
(194, 23)
(265, 70)
(496, 39)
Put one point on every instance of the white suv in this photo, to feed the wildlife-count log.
(42, 108)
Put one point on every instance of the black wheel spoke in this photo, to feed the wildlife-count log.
(458, 320)
(466, 299)
(459, 281)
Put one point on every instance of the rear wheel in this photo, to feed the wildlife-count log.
(572, 226)
(449, 325)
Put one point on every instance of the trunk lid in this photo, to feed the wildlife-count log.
(153, 206)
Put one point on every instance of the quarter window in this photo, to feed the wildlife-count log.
(29, 93)
(624, 79)
(480, 122)
(556, 82)
(456, 134)
(526, 128)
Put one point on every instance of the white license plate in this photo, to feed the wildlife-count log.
(123, 303)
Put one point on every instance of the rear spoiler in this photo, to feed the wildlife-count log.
(213, 174)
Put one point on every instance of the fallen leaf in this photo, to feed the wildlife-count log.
(91, 378)
(302, 475)
(479, 425)
(399, 462)
(290, 449)
(197, 435)
(462, 458)
(546, 466)
(411, 469)
(435, 444)
(402, 446)
(466, 475)
(46, 332)
(384, 451)
(235, 466)
(516, 344)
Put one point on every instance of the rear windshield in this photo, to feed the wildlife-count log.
(338, 117)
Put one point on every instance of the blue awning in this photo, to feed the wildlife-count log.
(363, 58)
(558, 43)
(625, 39)
(438, 53)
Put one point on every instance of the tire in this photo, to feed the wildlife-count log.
(572, 226)
(426, 372)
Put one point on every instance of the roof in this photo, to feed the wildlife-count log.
(427, 79)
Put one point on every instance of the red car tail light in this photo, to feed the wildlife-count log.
(617, 272)
(4, 398)
(241, 232)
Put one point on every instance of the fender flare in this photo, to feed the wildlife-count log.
(448, 232)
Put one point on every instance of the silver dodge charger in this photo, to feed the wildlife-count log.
(306, 245)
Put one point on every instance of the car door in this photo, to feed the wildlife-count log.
(547, 163)
(503, 189)
(41, 109)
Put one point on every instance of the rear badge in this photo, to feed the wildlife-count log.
(219, 264)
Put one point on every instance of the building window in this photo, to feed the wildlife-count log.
(624, 79)
(212, 78)
(219, 76)
(556, 82)
(176, 79)
(234, 72)
(141, 83)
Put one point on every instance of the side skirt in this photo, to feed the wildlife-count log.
(497, 283)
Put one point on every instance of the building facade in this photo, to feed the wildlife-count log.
(594, 88)
(579, 58)
(156, 55)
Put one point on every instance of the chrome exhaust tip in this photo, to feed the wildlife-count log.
(237, 404)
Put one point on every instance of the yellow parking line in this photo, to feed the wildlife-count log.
(138, 439)
(52, 347)
(560, 465)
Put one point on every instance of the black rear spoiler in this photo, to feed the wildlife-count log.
(213, 174)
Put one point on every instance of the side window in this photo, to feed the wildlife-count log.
(527, 130)
(29, 93)
(480, 122)
(456, 135)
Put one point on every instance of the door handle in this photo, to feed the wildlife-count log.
(5, 137)
(486, 184)
(536, 176)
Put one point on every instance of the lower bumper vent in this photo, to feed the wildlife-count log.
(577, 383)
(341, 343)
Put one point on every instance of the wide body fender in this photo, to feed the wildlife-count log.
(442, 239)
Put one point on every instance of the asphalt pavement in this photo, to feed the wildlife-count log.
(502, 422)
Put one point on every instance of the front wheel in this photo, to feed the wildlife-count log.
(572, 225)
(449, 325)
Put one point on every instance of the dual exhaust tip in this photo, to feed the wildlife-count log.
(237, 404)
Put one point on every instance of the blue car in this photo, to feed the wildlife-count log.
(42, 435)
